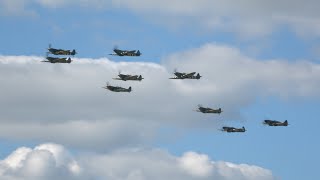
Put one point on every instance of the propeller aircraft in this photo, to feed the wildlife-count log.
(127, 77)
(208, 110)
(61, 51)
(275, 123)
(117, 88)
(119, 52)
(233, 129)
(57, 60)
(180, 75)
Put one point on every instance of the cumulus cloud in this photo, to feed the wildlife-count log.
(53, 161)
(249, 18)
(46, 161)
(65, 103)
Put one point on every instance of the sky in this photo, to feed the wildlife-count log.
(258, 60)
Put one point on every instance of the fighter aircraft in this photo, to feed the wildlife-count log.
(57, 60)
(180, 75)
(208, 110)
(127, 77)
(232, 129)
(117, 88)
(61, 51)
(275, 123)
(119, 52)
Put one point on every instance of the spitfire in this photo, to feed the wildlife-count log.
(179, 75)
(57, 60)
(275, 123)
(61, 51)
(119, 52)
(117, 88)
(127, 77)
(233, 129)
(208, 110)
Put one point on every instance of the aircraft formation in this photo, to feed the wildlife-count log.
(59, 52)
(128, 77)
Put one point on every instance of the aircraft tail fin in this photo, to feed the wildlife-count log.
(244, 129)
(285, 123)
(69, 60)
(130, 89)
(140, 78)
(198, 76)
(138, 53)
(73, 52)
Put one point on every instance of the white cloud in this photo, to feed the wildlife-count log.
(196, 164)
(53, 161)
(65, 103)
(46, 161)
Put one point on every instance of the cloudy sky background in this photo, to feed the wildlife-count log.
(258, 60)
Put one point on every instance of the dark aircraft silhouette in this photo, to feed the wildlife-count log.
(127, 77)
(275, 123)
(57, 60)
(232, 129)
(119, 52)
(61, 51)
(208, 110)
(180, 75)
(117, 88)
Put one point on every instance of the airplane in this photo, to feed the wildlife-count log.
(275, 123)
(180, 75)
(209, 110)
(61, 51)
(117, 88)
(232, 129)
(125, 77)
(119, 52)
(57, 60)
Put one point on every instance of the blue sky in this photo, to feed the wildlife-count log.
(165, 36)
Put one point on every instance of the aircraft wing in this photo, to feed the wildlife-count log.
(179, 75)
(225, 128)
(189, 75)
